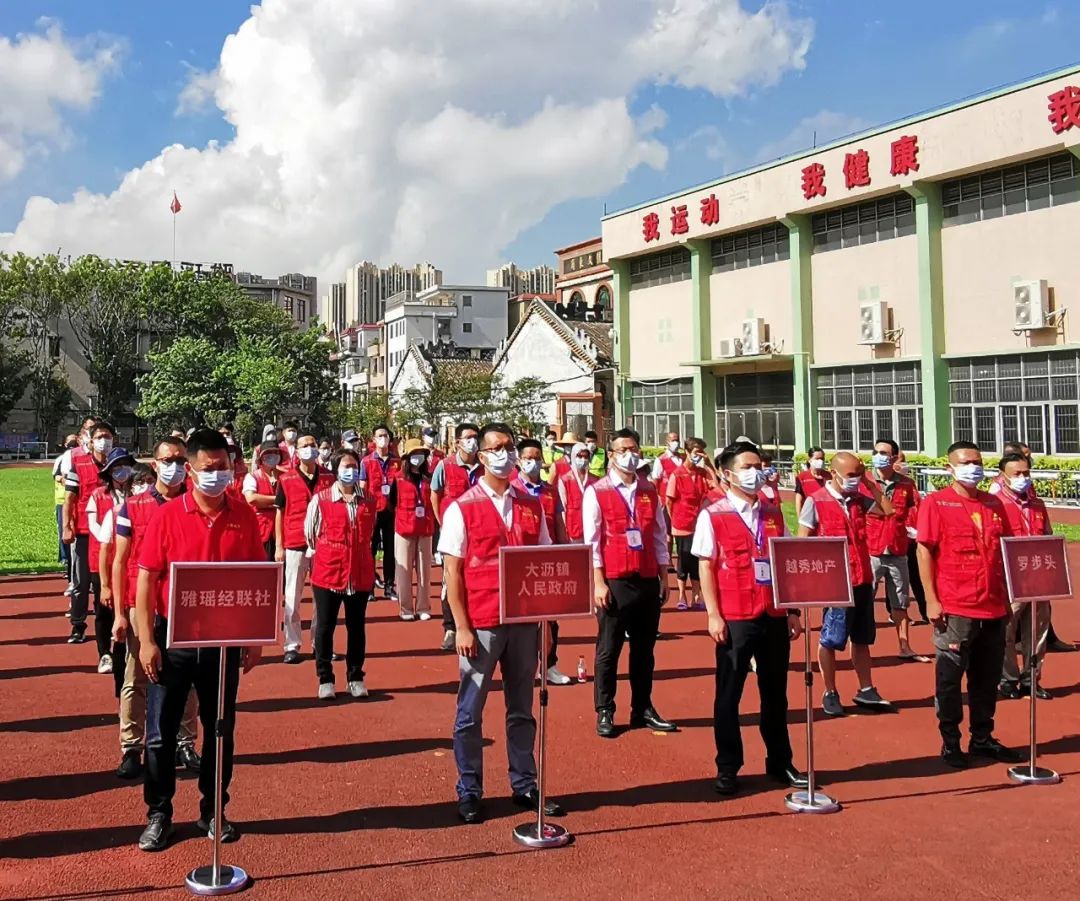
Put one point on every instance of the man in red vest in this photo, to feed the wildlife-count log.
(666, 464)
(435, 454)
(491, 515)
(378, 470)
(731, 539)
(572, 487)
(812, 479)
(625, 524)
(1027, 515)
(295, 489)
(840, 510)
(260, 490)
(963, 574)
(80, 483)
(452, 477)
(686, 489)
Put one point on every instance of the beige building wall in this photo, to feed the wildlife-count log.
(843, 279)
(760, 291)
(660, 331)
(980, 262)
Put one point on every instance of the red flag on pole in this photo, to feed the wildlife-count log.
(175, 205)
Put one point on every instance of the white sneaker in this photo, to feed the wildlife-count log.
(407, 617)
(438, 559)
(554, 677)
(424, 617)
(69, 591)
(105, 664)
(326, 691)
(358, 689)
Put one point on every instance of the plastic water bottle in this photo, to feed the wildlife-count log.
(582, 673)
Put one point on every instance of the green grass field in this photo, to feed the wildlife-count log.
(27, 521)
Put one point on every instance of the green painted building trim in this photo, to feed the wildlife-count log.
(937, 430)
(620, 288)
(701, 340)
(802, 330)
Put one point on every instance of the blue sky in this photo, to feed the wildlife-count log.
(868, 63)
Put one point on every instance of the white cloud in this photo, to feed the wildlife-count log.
(43, 74)
(820, 128)
(197, 95)
(711, 139)
(406, 129)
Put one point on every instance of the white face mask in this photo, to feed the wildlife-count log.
(817, 465)
(429, 441)
(141, 488)
(348, 445)
(749, 480)
(213, 483)
(170, 474)
(1020, 484)
(581, 462)
(698, 459)
(673, 446)
(417, 460)
(549, 441)
(591, 445)
(850, 484)
(382, 441)
(324, 453)
(469, 446)
(969, 474)
(500, 463)
(628, 461)
(529, 467)
(229, 440)
(271, 460)
(103, 445)
(307, 453)
(290, 436)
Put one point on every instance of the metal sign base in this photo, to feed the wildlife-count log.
(1033, 775)
(804, 802)
(553, 836)
(200, 881)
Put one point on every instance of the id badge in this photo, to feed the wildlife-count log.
(763, 572)
(633, 539)
(386, 490)
(420, 512)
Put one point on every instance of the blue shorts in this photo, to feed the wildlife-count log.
(841, 624)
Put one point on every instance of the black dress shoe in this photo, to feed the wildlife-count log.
(336, 657)
(1041, 693)
(1057, 646)
(156, 835)
(229, 832)
(790, 777)
(995, 750)
(649, 718)
(188, 759)
(78, 635)
(605, 724)
(470, 811)
(726, 784)
(953, 756)
(1008, 691)
(291, 657)
(531, 800)
(130, 766)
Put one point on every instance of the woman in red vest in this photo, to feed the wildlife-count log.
(572, 487)
(731, 538)
(414, 526)
(686, 489)
(260, 490)
(338, 527)
(770, 486)
(811, 479)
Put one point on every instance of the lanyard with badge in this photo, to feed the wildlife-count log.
(762, 564)
(633, 533)
(382, 465)
(421, 510)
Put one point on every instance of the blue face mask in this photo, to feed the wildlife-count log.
(348, 475)
(213, 483)
(880, 461)
(121, 474)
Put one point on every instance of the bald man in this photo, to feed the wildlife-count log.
(839, 509)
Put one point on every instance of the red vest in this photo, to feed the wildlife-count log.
(714, 494)
(89, 482)
(103, 501)
(546, 497)
(770, 493)
(456, 481)
(376, 479)
(1025, 519)
(740, 595)
(266, 515)
(810, 482)
(669, 465)
(297, 498)
(141, 508)
(690, 488)
(619, 560)
(406, 523)
(575, 528)
(969, 575)
(889, 533)
(561, 466)
(485, 533)
(834, 523)
(343, 548)
(436, 456)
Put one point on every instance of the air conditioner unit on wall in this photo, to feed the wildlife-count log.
(753, 336)
(873, 321)
(1031, 304)
(730, 348)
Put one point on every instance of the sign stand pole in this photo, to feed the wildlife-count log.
(1032, 774)
(217, 879)
(809, 801)
(541, 834)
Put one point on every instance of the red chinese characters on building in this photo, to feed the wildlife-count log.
(679, 223)
(813, 181)
(857, 169)
(905, 155)
(710, 210)
(650, 227)
(1064, 106)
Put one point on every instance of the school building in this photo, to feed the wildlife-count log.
(911, 282)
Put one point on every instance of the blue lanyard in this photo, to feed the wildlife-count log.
(629, 509)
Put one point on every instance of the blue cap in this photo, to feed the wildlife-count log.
(117, 455)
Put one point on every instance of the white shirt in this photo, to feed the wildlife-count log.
(593, 520)
(704, 544)
(453, 538)
(658, 467)
(581, 476)
(62, 465)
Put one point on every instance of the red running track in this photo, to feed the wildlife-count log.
(355, 799)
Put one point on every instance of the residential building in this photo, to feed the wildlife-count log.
(910, 282)
(376, 367)
(467, 316)
(367, 288)
(518, 306)
(333, 306)
(583, 286)
(538, 280)
(296, 294)
(353, 360)
(417, 370)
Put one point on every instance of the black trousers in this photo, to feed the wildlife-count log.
(766, 640)
(270, 546)
(915, 579)
(553, 644)
(634, 610)
(103, 619)
(382, 538)
(327, 606)
(83, 580)
(182, 668)
(975, 647)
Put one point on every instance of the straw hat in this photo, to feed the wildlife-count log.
(568, 438)
(412, 446)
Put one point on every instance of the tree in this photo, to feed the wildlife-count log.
(316, 375)
(365, 413)
(453, 394)
(52, 401)
(522, 404)
(258, 378)
(15, 358)
(184, 386)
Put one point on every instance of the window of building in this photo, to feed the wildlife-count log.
(864, 223)
(751, 248)
(659, 408)
(466, 300)
(287, 305)
(603, 301)
(301, 310)
(54, 347)
(859, 404)
(466, 327)
(1051, 181)
(661, 268)
(1031, 398)
(759, 405)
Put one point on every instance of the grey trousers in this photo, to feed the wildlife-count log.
(514, 648)
(1019, 630)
